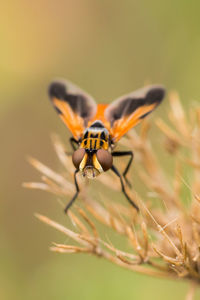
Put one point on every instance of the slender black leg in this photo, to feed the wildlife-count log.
(73, 142)
(125, 153)
(76, 194)
(114, 169)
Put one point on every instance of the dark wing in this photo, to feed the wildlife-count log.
(129, 110)
(74, 106)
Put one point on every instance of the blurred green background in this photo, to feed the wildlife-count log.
(108, 48)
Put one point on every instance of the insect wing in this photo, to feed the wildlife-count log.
(129, 110)
(74, 106)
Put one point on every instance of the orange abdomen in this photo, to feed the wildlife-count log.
(100, 116)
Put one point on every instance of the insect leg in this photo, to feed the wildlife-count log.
(114, 169)
(125, 153)
(73, 141)
(76, 194)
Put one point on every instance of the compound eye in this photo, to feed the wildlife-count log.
(77, 157)
(105, 159)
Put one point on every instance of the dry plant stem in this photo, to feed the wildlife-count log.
(75, 236)
(164, 238)
(98, 251)
(191, 291)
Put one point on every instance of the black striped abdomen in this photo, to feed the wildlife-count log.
(94, 144)
(95, 138)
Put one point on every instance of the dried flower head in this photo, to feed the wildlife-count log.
(165, 236)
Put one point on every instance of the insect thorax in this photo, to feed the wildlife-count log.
(95, 137)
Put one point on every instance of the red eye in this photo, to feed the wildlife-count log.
(105, 159)
(77, 157)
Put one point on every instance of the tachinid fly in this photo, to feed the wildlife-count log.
(97, 128)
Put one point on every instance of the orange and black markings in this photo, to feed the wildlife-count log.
(97, 128)
(95, 137)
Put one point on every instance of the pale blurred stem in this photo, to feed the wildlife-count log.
(157, 266)
(191, 291)
(92, 246)
(136, 268)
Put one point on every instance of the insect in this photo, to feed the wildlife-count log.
(97, 128)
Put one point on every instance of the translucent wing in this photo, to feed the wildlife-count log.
(129, 110)
(75, 107)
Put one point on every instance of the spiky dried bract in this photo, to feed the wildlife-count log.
(164, 238)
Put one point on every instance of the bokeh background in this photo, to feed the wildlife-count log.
(107, 47)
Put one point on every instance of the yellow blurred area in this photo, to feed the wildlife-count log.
(108, 48)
